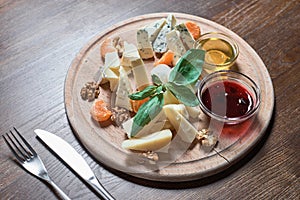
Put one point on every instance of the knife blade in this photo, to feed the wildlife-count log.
(73, 159)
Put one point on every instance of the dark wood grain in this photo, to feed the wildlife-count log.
(39, 39)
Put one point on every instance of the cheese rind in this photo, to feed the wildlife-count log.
(185, 35)
(123, 90)
(144, 45)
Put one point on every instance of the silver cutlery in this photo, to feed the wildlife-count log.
(74, 160)
(29, 159)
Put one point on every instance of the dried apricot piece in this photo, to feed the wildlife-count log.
(136, 104)
(99, 111)
(167, 58)
(193, 28)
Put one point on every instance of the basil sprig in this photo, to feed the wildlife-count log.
(184, 74)
(183, 94)
(188, 68)
(146, 112)
(147, 92)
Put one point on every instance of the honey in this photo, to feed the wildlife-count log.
(221, 51)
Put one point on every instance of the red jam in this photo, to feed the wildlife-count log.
(228, 99)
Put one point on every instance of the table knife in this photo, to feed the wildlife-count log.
(73, 159)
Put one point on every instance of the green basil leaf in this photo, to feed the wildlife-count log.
(188, 68)
(146, 113)
(156, 80)
(183, 94)
(147, 92)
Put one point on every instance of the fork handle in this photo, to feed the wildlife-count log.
(59, 191)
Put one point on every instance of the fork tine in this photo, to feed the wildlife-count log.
(26, 143)
(28, 154)
(12, 149)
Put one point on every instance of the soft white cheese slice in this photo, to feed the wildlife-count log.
(130, 53)
(123, 90)
(112, 61)
(162, 71)
(139, 73)
(194, 112)
(111, 77)
(174, 43)
(186, 131)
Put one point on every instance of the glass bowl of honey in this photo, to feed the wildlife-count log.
(228, 96)
(221, 51)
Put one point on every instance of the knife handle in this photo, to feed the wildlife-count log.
(93, 181)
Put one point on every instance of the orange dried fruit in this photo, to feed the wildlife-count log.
(99, 111)
(193, 28)
(167, 59)
(136, 104)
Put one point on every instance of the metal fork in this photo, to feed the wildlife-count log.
(29, 159)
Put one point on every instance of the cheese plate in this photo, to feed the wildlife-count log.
(190, 161)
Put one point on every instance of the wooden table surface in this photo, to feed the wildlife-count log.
(39, 39)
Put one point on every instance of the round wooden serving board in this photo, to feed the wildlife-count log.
(104, 142)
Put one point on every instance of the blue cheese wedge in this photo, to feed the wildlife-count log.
(139, 73)
(123, 90)
(144, 45)
(154, 28)
(175, 44)
(160, 43)
(130, 53)
(185, 35)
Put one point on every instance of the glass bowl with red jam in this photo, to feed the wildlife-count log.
(228, 96)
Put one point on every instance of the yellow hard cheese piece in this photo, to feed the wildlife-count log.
(152, 142)
(169, 98)
(183, 127)
(156, 124)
